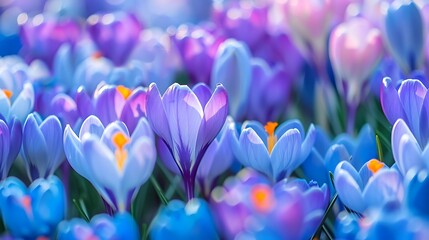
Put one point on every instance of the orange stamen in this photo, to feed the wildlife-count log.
(124, 91)
(374, 165)
(8, 93)
(120, 140)
(26, 202)
(97, 55)
(270, 127)
(262, 198)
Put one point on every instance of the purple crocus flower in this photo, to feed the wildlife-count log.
(269, 90)
(372, 187)
(274, 151)
(120, 29)
(410, 103)
(42, 147)
(237, 19)
(197, 48)
(217, 159)
(111, 103)
(43, 37)
(10, 142)
(116, 162)
(288, 210)
(187, 121)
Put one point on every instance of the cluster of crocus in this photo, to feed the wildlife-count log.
(135, 119)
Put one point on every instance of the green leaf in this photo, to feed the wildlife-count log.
(158, 190)
(81, 208)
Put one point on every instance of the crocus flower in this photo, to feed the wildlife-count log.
(120, 29)
(269, 90)
(287, 210)
(102, 226)
(195, 218)
(407, 152)
(405, 34)
(217, 159)
(197, 48)
(373, 186)
(115, 162)
(42, 147)
(355, 49)
(409, 103)
(21, 106)
(232, 61)
(187, 121)
(34, 212)
(111, 103)
(274, 151)
(309, 22)
(416, 194)
(91, 72)
(42, 37)
(10, 144)
(237, 19)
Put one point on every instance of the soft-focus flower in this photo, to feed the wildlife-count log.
(355, 49)
(178, 220)
(102, 226)
(372, 187)
(34, 212)
(416, 195)
(405, 34)
(269, 90)
(287, 210)
(410, 103)
(187, 121)
(232, 68)
(10, 144)
(19, 107)
(197, 48)
(42, 146)
(309, 22)
(42, 37)
(237, 19)
(407, 152)
(115, 34)
(274, 151)
(116, 162)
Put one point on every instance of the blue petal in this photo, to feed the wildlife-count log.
(285, 156)
(255, 153)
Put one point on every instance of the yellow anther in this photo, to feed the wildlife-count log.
(8, 93)
(124, 91)
(120, 140)
(270, 127)
(374, 165)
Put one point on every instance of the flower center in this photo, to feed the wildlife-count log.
(120, 140)
(124, 91)
(262, 198)
(8, 93)
(97, 55)
(374, 165)
(272, 139)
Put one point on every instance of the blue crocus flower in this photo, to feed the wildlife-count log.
(373, 186)
(178, 220)
(42, 147)
(232, 68)
(405, 34)
(416, 196)
(19, 107)
(115, 162)
(406, 150)
(274, 151)
(10, 144)
(33, 212)
(102, 226)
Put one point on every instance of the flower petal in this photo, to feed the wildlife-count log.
(255, 153)
(285, 156)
